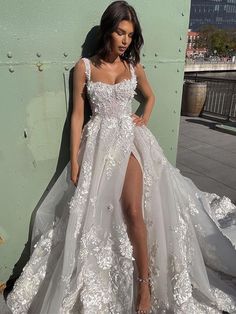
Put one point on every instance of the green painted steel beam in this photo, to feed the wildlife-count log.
(40, 43)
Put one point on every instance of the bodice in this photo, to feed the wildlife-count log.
(110, 100)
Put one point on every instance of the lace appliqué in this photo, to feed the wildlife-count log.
(223, 209)
(107, 271)
(97, 271)
(19, 299)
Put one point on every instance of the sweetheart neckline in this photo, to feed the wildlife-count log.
(100, 82)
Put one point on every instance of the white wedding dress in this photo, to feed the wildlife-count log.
(82, 259)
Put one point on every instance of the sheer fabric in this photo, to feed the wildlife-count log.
(82, 259)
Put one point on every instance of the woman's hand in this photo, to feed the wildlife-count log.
(139, 121)
(75, 169)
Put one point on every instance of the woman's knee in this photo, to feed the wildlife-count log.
(133, 214)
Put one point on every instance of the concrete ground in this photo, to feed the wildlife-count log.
(207, 156)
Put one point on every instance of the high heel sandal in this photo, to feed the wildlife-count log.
(146, 281)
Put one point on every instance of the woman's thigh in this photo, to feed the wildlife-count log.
(132, 189)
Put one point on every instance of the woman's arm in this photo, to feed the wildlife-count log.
(145, 88)
(77, 117)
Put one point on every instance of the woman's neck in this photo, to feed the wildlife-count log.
(112, 58)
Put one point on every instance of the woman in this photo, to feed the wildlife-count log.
(138, 236)
(121, 38)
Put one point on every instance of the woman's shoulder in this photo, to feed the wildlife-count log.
(83, 64)
(80, 64)
(138, 68)
(80, 68)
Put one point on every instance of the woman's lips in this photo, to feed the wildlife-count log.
(122, 48)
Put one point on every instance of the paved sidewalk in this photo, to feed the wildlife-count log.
(207, 156)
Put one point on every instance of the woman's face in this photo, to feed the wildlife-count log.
(122, 37)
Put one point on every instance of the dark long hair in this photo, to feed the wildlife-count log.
(116, 12)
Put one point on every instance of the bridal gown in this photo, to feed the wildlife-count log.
(81, 256)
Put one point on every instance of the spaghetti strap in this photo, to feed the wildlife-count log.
(87, 68)
(133, 75)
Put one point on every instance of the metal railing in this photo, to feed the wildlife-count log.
(221, 96)
(209, 61)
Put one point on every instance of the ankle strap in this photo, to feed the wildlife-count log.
(144, 280)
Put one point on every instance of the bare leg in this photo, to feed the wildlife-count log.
(132, 206)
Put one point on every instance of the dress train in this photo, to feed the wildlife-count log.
(82, 259)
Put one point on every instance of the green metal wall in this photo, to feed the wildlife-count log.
(40, 43)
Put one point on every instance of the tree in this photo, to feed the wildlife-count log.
(214, 39)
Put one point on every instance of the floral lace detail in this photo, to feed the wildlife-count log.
(109, 100)
(121, 145)
(95, 268)
(105, 284)
(182, 289)
(222, 209)
(19, 299)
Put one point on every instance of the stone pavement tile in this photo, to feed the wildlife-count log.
(230, 145)
(207, 184)
(187, 171)
(207, 156)
(225, 157)
(215, 153)
(185, 142)
(207, 135)
(212, 168)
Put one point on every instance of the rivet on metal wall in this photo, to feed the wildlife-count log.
(38, 54)
(144, 55)
(177, 70)
(182, 13)
(2, 240)
(11, 69)
(25, 133)
(144, 66)
(180, 50)
(180, 37)
(156, 54)
(176, 91)
(65, 54)
(39, 65)
(174, 111)
(9, 54)
(155, 66)
(66, 68)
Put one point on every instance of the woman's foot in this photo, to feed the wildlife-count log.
(143, 296)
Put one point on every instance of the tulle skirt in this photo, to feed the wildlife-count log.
(82, 260)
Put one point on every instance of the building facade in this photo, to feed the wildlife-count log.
(221, 13)
(191, 49)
